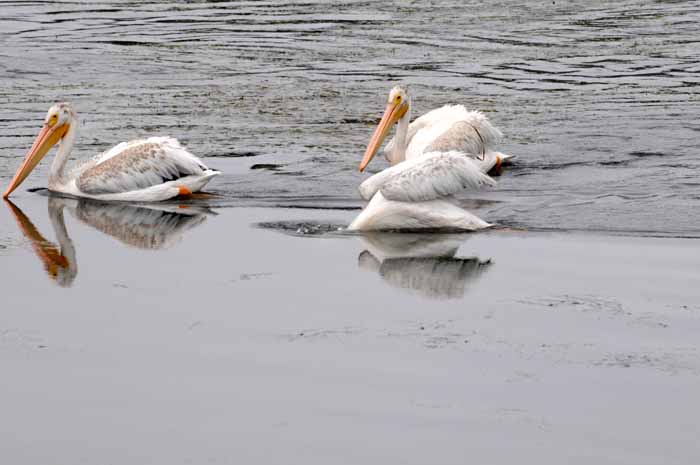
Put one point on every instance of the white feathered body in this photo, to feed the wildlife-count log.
(450, 128)
(447, 150)
(416, 194)
(147, 170)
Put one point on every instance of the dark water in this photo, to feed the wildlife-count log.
(599, 100)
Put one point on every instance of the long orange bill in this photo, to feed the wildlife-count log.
(47, 138)
(392, 114)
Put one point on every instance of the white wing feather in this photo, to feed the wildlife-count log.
(440, 130)
(136, 165)
(432, 176)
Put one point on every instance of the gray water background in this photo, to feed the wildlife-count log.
(598, 100)
(198, 338)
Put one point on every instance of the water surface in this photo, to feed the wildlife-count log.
(598, 100)
(135, 335)
(195, 332)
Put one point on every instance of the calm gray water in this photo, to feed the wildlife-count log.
(599, 100)
(171, 335)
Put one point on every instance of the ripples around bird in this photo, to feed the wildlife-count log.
(598, 100)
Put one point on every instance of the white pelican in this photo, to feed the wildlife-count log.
(438, 155)
(149, 170)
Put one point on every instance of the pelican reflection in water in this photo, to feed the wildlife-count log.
(151, 227)
(59, 261)
(424, 263)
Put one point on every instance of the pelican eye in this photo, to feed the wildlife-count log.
(53, 120)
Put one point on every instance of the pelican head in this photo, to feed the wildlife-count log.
(57, 123)
(397, 105)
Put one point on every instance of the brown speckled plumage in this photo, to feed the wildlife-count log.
(461, 136)
(139, 165)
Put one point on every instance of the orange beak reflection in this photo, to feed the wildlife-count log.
(50, 255)
(393, 113)
(47, 138)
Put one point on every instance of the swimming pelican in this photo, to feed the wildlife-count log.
(444, 129)
(150, 170)
(438, 155)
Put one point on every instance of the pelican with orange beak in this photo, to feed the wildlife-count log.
(433, 158)
(451, 128)
(145, 170)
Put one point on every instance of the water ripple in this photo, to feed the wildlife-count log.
(598, 100)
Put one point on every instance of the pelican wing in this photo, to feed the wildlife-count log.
(432, 176)
(448, 128)
(463, 136)
(138, 165)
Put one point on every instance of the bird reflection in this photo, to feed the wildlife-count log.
(424, 263)
(153, 227)
(59, 261)
(143, 227)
